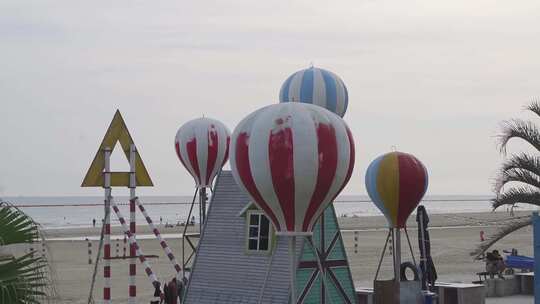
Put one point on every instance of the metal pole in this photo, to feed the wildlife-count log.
(202, 208)
(132, 289)
(107, 224)
(184, 235)
(536, 236)
(292, 253)
(397, 258)
(423, 256)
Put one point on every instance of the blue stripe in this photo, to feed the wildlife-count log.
(331, 92)
(346, 98)
(371, 186)
(306, 88)
(285, 92)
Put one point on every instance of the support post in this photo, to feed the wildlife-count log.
(202, 207)
(536, 236)
(132, 299)
(107, 231)
(292, 253)
(397, 254)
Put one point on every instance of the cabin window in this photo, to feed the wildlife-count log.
(258, 232)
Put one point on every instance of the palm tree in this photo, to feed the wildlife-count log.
(25, 278)
(518, 179)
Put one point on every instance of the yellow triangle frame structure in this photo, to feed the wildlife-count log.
(117, 132)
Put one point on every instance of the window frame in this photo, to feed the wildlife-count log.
(260, 215)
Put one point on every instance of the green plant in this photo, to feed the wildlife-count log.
(23, 279)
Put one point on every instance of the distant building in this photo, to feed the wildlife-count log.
(240, 259)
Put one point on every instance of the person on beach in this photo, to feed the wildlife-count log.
(160, 220)
(495, 264)
(94, 222)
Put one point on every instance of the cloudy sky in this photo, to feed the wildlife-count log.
(434, 78)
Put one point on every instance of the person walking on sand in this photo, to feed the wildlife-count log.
(94, 222)
(160, 220)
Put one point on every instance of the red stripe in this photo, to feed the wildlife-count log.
(244, 170)
(107, 228)
(412, 186)
(132, 269)
(132, 206)
(148, 271)
(132, 290)
(132, 227)
(107, 250)
(177, 267)
(177, 146)
(212, 152)
(106, 293)
(226, 157)
(156, 232)
(163, 244)
(107, 271)
(280, 156)
(328, 155)
(191, 147)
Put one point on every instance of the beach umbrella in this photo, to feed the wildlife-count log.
(316, 86)
(429, 274)
(396, 182)
(292, 159)
(202, 145)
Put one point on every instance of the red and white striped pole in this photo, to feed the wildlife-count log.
(131, 238)
(132, 250)
(124, 248)
(89, 251)
(107, 231)
(162, 242)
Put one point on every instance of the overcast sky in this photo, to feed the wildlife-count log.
(433, 78)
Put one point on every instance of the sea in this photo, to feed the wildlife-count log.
(79, 211)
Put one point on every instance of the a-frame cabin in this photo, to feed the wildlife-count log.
(240, 259)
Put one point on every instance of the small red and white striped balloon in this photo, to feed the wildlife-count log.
(293, 159)
(202, 145)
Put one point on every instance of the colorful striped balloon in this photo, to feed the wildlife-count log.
(396, 182)
(202, 145)
(316, 86)
(293, 159)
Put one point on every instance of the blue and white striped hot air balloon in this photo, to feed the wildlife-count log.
(316, 86)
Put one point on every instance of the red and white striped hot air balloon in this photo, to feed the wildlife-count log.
(202, 145)
(293, 159)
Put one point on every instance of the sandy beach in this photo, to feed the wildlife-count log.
(453, 237)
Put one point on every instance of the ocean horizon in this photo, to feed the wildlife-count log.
(79, 211)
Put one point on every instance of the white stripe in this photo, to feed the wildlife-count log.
(243, 127)
(259, 159)
(185, 134)
(222, 134)
(107, 282)
(306, 159)
(201, 135)
(340, 90)
(296, 84)
(319, 89)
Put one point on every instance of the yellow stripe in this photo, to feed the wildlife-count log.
(388, 184)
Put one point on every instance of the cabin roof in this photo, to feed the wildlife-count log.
(222, 272)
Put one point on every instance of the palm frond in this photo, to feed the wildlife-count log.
(519, 176)
(501, 233)
(23, 279)
(16, 226)
(516, 195)
(517, 128)
(534, 106)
